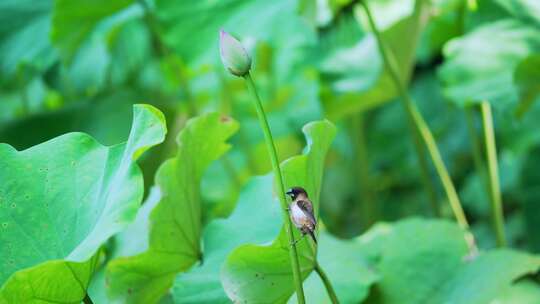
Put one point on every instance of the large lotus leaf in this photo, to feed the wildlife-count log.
(253, 271)
(175, 222)
(256, 219)
(349, 271)
(24, 35)
(424, 261)
(131, 241)
(480, 65)
(361, 80)
(60, 201)
(74, 20)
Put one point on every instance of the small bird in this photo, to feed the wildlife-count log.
(301, 210)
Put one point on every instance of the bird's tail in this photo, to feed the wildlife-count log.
(312, 234)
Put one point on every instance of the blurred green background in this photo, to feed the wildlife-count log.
(79, 65)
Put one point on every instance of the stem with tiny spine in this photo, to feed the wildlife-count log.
(423, 130)
(280, 187)
(331, 293)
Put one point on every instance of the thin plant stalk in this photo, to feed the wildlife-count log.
(493, 173)
(423, 130)
(425, 175)
(476, 146)
(331, 293)
(475, 143)
(358, 135)
(280, 187)
(320, 272)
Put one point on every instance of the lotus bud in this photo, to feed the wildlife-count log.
(233, 55)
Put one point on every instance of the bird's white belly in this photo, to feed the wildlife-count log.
(298, 215)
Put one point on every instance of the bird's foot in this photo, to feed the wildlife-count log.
(294, 242)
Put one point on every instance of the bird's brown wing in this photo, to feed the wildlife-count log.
(307, 207)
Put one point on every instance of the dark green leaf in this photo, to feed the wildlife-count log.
(73, 21)
(24, 33)
(527, 80)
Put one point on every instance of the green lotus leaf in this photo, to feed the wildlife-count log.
(174, 226)
(480, 65)
(425, 261)
(60, 201)
(253, 271)
(256, 219)
(522, 292)
(350, 273)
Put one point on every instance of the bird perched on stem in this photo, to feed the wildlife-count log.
(301, 210)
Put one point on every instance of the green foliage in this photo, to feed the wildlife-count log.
(24, 43)
(61, 201)
(366, 83)
(426, 261)
(251, 270)
(174, 226)
(202, 284)
(73, 21)
(351, 273)
(526, 78)
(254, 228)
(480, 66)
(209, 229)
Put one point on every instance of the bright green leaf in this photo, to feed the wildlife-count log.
(175, 222)
(256, 219)
(60, 201)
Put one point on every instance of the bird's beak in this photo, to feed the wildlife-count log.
(290, 192)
